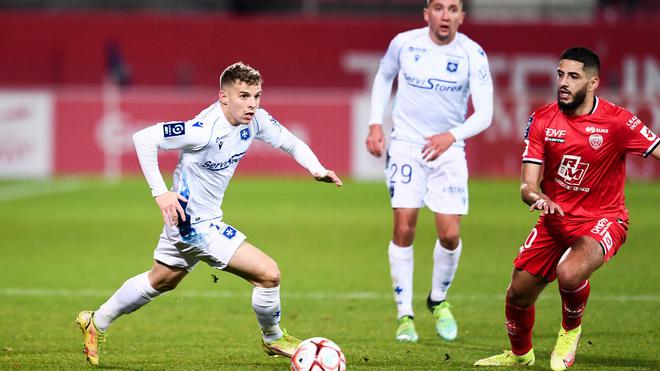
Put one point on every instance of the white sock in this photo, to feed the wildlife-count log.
(266, 305)
(445, 263)
(401, 270)
(134, 293)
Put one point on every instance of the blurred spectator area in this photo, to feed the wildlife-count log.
(481, 10)
(77, 77)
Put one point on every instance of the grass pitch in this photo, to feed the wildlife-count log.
(69, 243)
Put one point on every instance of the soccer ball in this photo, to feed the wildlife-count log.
(318, 354)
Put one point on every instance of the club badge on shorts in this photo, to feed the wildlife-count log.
(229, 232)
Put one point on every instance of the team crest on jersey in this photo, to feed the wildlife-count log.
(245, 134)
(452, 66)
(595, 141)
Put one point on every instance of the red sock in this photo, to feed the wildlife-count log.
(573, 303)
(519, 324)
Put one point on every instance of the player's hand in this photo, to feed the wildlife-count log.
(169, 206)
(437, 145)
(547, 206)
(375, 140)
(329, 177)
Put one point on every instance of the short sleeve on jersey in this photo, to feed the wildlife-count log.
(635, 137)
(534, 150)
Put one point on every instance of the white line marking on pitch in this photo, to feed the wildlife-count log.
(349, 295)
(24, 190)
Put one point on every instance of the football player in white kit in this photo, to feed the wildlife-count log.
(438, 68)
(211, 145)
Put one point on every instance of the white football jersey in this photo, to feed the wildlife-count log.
(434, 83)
(211, 149)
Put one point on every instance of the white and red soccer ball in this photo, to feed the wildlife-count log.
(318, 354)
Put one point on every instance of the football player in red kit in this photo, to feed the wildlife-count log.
(577, 146)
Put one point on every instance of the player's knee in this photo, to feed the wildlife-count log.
(270, 277)
(518, 298)
(568, 277)
(449, 240)
(163, 284)
(405, 234)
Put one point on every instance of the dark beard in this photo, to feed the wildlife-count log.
(578, 99)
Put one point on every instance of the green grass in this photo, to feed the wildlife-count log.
(74, 241)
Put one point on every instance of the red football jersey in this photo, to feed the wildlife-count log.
(584, 157)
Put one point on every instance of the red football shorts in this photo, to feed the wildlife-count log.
(550, 239)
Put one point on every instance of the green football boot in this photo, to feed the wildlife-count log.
(406, 331)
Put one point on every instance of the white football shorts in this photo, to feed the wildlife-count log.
(212, 242)
(414, 182)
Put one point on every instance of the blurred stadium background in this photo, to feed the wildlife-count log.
(77, 77)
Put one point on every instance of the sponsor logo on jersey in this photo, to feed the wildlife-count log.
(417, 51)
(245, 134)
(198, 124)
(571, 173)
(633, 123)
(591, 130)
(647, 133)
(413, 49)
(229, 232)
(595, 141)
(174, 129)
(433, 84)
(555, 135)
(217, 166)
(452, 66)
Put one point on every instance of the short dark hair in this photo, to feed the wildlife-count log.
(588, 58)
(240, 71)
(460, 2)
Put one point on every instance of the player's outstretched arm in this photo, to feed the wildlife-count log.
(329, 177)
(301, 152)
(532, 195)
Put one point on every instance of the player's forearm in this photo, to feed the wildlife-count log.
(146, 146)
(380, 95)
(301, 152)
(530, 193)
(480, 120)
